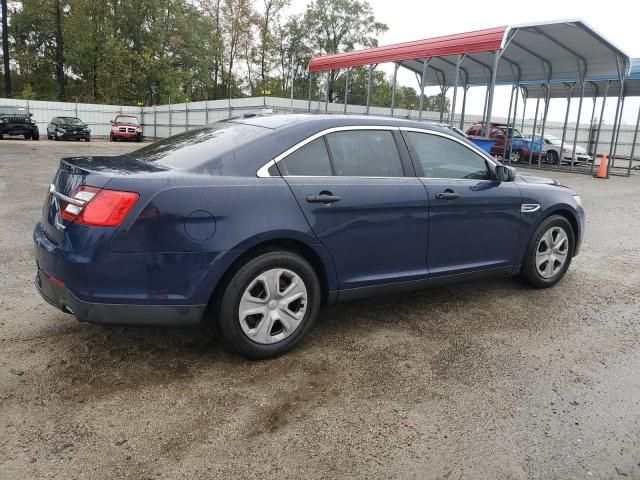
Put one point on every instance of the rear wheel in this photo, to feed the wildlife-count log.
(269, 304)
(549, 253)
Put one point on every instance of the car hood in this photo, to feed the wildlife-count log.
(525, 177)
(125, 124)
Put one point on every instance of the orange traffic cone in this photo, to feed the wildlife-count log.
(602, 169)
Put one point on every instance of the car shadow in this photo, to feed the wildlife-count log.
(94, 360)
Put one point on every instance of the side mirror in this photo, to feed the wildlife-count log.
(505, 173)
(111, 121)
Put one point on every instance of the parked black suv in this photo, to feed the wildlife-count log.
(17, 121)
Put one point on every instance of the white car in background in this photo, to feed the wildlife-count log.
(552, 145)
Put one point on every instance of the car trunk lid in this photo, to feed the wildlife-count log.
(96, 171)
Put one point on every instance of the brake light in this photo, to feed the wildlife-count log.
(102, 208)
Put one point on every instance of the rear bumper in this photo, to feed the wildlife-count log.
(117, 314)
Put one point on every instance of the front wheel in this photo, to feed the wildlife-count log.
(553, 156)
(515, 156)
(269, 304)
(549, 253)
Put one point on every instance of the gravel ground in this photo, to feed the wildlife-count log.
(479, 380)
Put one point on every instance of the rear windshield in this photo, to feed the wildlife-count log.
(196, 147)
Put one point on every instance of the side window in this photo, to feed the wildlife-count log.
(364, 153)
(441, 157)
(311, 160)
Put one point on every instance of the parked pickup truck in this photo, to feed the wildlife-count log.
(125, 127)
(521, 147)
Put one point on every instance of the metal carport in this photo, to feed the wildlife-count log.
(542, 53)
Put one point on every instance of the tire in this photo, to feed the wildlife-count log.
(87, 139)
(112, 138)
(1, 136)
(138, 138)
(249, 336)
(531, 274)
(27, 136)
(515, 156)
(553, 156)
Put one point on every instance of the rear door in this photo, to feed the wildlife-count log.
(474, 220)
(360, 196)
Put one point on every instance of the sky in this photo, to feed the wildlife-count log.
(408, 20)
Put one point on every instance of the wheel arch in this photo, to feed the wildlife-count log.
(321, 263)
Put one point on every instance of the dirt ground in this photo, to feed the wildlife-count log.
(486, 379)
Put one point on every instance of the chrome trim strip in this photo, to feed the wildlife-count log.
(529, 207)
(64, 198)
(263, 172)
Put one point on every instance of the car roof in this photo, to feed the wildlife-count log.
(322, 121)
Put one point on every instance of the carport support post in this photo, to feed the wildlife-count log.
(564, 127)
(494, 72)
(155, 122)
(615, 146)
(604, 102)
(575, 136)
(310, 85)
(346, 89)
(423, 81)
(369, 88)
(618, 106)
(326, 93)
(443, 97)
(515, 118)
(504, 151)
(186, 115)
(547, 100)
(455, 92)
(464, 105)
(535, 124)
(524, 109)
(393, 87)
(633, 144)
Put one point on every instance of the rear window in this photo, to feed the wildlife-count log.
(196, 147)
(364, 153)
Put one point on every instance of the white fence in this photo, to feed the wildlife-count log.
(166, 120)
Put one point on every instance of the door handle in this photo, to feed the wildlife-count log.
(323, 198)
(447, 195)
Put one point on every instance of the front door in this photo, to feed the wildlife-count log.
(352, 188)
(474, 220)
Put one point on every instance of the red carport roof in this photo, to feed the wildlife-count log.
(558, 51)
(458, 44)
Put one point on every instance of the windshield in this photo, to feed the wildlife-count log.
(552, 140)
(71, 121)
(196, 147)
(514, 133)
(131, 120)
(13, 111)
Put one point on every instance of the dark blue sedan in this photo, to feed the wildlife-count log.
(263, 220)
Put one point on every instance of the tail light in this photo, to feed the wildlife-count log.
(99, 207)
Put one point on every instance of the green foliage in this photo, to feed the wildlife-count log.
(160, 51)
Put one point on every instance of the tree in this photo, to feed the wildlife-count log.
(335, 26)
(5, 49)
